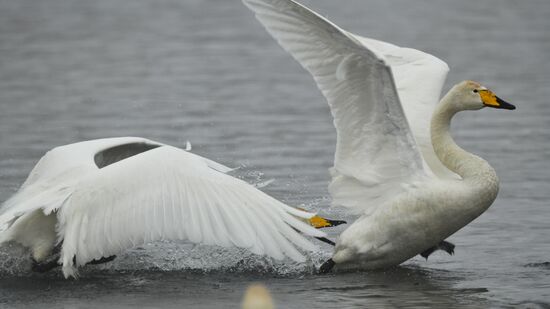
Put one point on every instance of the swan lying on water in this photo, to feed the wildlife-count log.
(85, 202)
(412, 185)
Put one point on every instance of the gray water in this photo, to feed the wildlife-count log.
(206, 71)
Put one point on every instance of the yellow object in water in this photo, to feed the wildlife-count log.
(257, 297)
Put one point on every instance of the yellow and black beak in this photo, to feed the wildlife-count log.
(491, 100)
(320, 222)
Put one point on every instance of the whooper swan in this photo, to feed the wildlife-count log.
(412, 185)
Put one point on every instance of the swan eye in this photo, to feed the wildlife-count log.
(475, 90)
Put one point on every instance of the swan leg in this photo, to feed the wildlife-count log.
(50, 263)
(327, 266)
(443, 245)
(447, 247)
(42, 267)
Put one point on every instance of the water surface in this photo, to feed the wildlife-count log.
(206, 71)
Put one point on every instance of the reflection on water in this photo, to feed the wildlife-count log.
(206, 71)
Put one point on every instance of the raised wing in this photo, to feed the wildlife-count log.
(168, 193)
(419, 78)
(376, 154)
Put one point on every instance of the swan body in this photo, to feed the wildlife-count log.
(93, 199)
(396, 164)
(432, 210)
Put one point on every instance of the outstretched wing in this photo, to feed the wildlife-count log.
(419, 78)
(168, 193)
(376, 154)
(51, 181)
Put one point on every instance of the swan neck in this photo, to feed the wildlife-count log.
(465, 164)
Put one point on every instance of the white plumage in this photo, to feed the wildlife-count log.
(102, 196)
(413, 188)
(376, 151)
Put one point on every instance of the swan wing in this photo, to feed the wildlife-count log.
(54, 176)
(376, 154)
(168, 193)
(419, 78)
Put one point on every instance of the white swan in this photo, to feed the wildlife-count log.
(91, 200)
(413, 189)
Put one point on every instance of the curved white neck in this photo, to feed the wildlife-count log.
(479, 178)
(468, 166)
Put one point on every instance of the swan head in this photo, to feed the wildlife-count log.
(471, 95)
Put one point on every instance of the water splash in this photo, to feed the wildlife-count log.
(14, 260)
(166, 256)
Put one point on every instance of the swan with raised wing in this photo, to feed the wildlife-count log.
(406, 177)
(84, 203)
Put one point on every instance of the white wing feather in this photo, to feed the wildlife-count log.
(419, 78)
(162, 193)
(376, 154)
(51, 181)
(168, 193)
